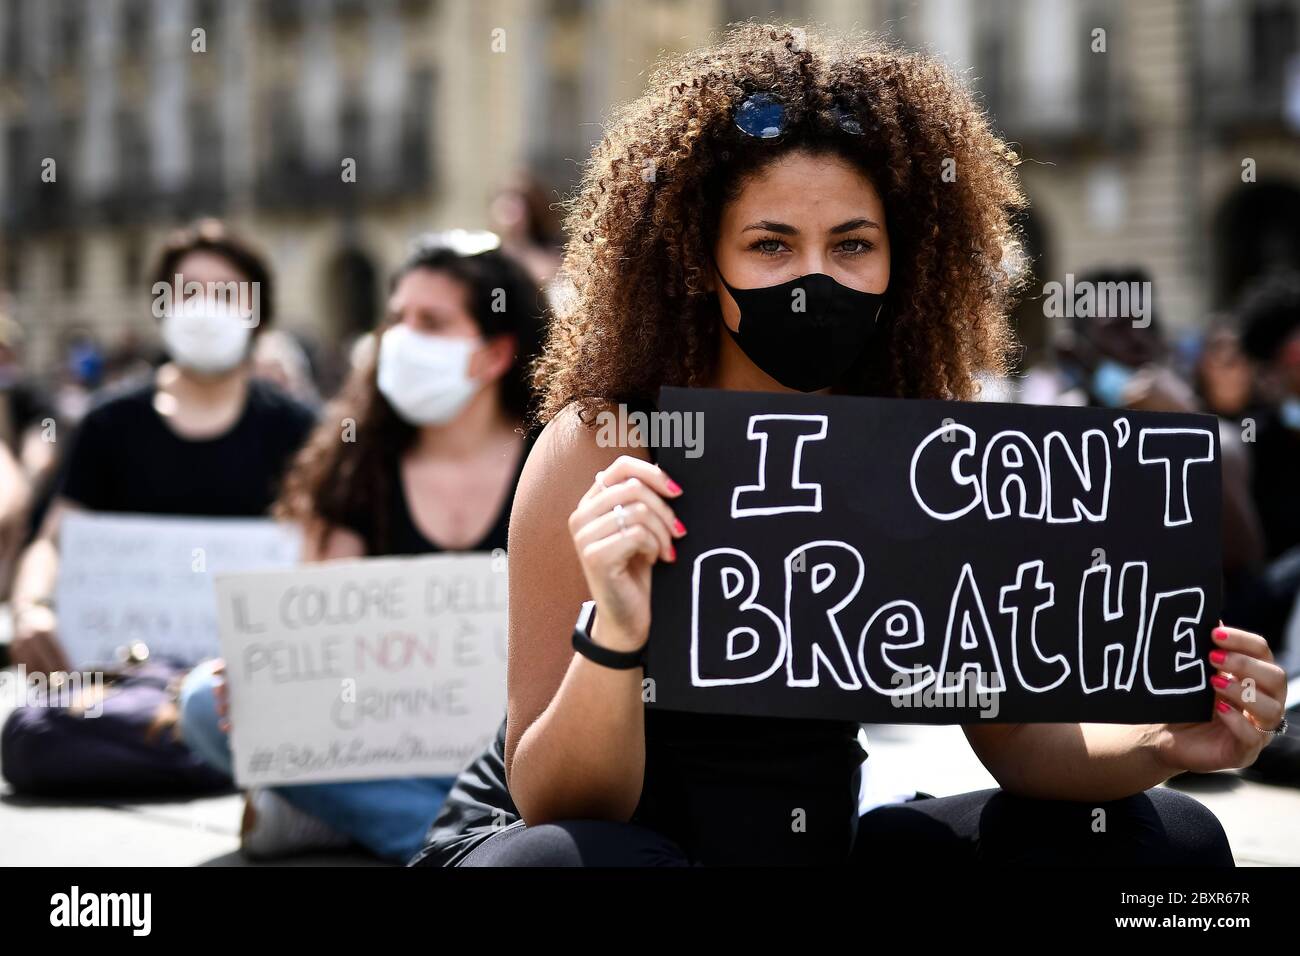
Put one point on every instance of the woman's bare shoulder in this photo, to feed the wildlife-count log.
(562, 465)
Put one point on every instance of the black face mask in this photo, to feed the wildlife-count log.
(809, 349)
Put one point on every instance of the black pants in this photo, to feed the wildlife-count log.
(1160, 827)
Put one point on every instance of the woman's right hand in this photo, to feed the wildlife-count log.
(35, 642)
(616, 560)
(220, 695)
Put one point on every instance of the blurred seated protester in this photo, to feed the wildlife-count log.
(15, 504)
(27, 456)
(1122, 361)
(1269, 317)
(25, 409)
(1224, 376)
(440, 410)
(196, 438)
(200, 436)
(530, 230)
(80, 376)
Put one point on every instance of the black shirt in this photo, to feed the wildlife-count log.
(125, 458)
(403, 537)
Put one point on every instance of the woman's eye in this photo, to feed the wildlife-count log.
(854, 247)
(769, 247)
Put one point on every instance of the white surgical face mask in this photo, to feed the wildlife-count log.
(205, 336)
(426, 377)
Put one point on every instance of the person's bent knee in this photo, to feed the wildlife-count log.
(197, 718)
(566, 843)
(1193, 834)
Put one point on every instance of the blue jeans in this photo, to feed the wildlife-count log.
(388, 817)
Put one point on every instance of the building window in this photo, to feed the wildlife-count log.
(417, 115)
(71, 16)
(207, 14)
(13, 276)
(18, 159)
(13, 39)
(353, 131)
(70, 266)
(135, 24)
(287, 153)
(565, 9)
(205, 147)
(1272, 45)
(132, 149)
(132, 262)
(283, 16)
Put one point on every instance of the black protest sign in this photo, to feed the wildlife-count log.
(907, 561)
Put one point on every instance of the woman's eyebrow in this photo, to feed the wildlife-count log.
(766, 225)
(854, 224)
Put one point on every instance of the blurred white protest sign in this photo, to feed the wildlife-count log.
(129, 578)
(357, 670)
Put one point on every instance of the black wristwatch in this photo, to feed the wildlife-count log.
(584, 645)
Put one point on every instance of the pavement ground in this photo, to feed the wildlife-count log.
(1260, 819)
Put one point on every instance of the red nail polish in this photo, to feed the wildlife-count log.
(672, 553)
(1219, 634)
(1219, 681)
(1218, 656)
(678, 526)
(1222, 705)
(674, 488)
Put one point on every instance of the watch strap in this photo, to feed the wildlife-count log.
(605, 656)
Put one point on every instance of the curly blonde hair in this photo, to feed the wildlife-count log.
(642, 224)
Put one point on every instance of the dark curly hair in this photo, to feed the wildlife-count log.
(215, 236)
(642, 224)
(333, 482)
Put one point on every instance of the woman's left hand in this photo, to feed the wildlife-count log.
(1250, 700)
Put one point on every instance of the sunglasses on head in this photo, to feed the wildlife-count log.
(463, 242)
(765, 116)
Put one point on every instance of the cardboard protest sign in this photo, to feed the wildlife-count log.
(903, 561)
(129, 578)
(358, 670)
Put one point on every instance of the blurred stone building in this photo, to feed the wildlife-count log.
(1171, 144)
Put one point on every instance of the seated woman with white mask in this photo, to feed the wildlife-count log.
(439, 411)
(201, 436)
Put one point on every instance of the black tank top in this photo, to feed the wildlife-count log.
(403, 535)
(751, 790)
(728, 790)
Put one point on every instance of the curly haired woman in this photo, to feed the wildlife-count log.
(771, 162)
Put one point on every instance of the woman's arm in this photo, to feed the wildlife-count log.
(575, 745)
(1108, 761)
(1071, 761)
(35, 642)
(322, 542)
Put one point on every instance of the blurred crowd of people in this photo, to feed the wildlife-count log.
(222, 423)
(1242, 366)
